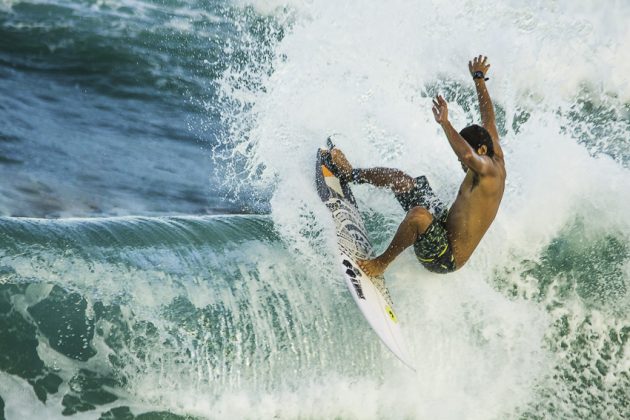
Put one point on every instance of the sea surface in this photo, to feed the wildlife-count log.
(164, 253)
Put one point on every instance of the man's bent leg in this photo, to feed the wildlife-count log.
(398, 181)
(414, 224)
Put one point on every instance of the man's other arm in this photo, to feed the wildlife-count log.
(486, 107)
(465, 153)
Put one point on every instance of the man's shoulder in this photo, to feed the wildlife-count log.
(496, 175)
(499, 163)
(494, 167)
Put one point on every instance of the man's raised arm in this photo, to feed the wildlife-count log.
(460, 146)
(478, 69)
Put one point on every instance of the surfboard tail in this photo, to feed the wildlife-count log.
(373, 300)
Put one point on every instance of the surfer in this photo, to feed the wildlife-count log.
(444, 239)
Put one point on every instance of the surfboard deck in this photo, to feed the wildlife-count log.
(369, 293)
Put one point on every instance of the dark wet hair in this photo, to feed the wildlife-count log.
(478, 136)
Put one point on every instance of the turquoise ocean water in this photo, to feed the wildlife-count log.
(164, 254)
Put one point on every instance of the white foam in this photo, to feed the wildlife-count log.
(363, 69)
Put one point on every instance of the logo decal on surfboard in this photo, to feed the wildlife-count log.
(350, 272)
(391, 313)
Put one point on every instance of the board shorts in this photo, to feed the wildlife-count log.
(432, 248)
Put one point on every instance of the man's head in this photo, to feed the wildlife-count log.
(479, 139)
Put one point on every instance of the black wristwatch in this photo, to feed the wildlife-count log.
(479, 75)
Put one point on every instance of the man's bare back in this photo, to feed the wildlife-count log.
(445, 241)
(474, 210)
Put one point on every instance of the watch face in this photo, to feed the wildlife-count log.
(479, 75)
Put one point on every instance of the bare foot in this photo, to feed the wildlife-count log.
(341, 162)
(372, 268)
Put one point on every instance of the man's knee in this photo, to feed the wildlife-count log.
(420, 217)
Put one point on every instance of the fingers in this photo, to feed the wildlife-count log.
(479, 63)
(439, 109)
(479, 60)
(439, 102)
(484, 63)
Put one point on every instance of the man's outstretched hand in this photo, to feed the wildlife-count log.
(479, 64)
(440, 110)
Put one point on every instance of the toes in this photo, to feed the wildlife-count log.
(362, 266)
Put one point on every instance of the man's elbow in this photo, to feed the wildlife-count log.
(473, 162)
(468, 159)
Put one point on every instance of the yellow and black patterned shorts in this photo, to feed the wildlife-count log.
(432, 248)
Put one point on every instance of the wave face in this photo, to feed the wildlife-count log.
(192, 315)
(218, 317)
(110, 108)
(243, 316)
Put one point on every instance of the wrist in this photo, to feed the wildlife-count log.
(478, 75)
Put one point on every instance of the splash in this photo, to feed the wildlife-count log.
(368, 71)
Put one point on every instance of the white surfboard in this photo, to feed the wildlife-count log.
(369, 293)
